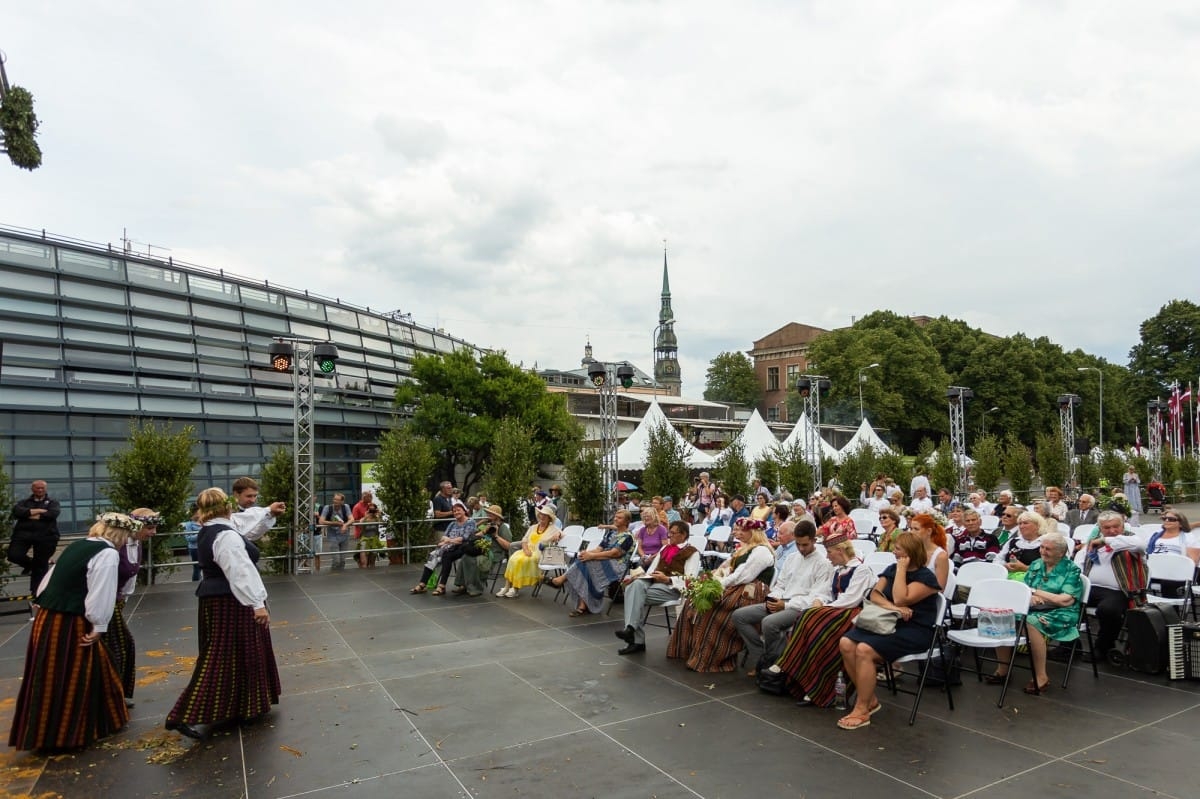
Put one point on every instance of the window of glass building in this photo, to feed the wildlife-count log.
(261, 298)
(159, 277)
(158, 303)
(169, 405)
(180, 346)
(224, 408)
(226, 371)
(14, 251)
(102, 401)
(315, 332)
(166, 383)
(31, 373)
(109, 336)
(105, 316)
(78, 356)
(372, 324)
(145, 322)
(214, 287)
(27, 307)
(206, 312)
(179, 366)
(227, 389)
(345, 337)
(341, 316)
(99, 378)
(229, 353)
(309, 309)
(85, 263)
(258, 321)
(93, 292)
(35, 330)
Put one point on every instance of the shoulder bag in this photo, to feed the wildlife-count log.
(876, 619)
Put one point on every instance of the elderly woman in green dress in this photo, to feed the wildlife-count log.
(1057, 586)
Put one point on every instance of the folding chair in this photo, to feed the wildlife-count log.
(994, 595)
(720, 537)
(1173, 568)
(570, 545)
(971, 573)
(864, 549)
(878, 561)
(938, 642)
(1086, 629)
(988, 523)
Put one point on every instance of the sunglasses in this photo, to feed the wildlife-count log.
(1170, 518)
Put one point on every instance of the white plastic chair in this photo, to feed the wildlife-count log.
(719, 536)
(574, 528)
(926, 659)
(864, 528)
(972, 572)
(995, 595)
(989, 522)
(698, 542)
(1176, 568)
(1082, 532)
(1063, 528)
(1147, 530)
(864, 549)
(878, 561)
(1086, 630)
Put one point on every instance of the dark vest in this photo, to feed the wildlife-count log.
(214, 582)
(68, 585)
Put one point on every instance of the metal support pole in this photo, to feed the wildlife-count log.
(956, 398)
(811, 387)
(303, 452)
(1154, 409)
(608, 440)
(1066, 428)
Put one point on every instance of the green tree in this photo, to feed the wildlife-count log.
(1113, 465)
(857, 467)
(18, 127)
(6, 504)
(1051, 459)
(1189, 475)
(1170, 471)
(511, 467)
(277, 483)
(989, 463)
(402, 470)
(943, 472)
(458, 401)
(893, 464)
(766, 469)
(666, 472)
(731, 378)
(955, 341)
(154, 470)
(1018, 467)
(1169, 349)
(732, 471)
(1088, 473)
(585, 486)
(794, 470)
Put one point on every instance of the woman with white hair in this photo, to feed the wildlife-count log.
(1020, 551)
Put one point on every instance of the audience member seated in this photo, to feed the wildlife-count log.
(522, 570)
(921, 501)
(877, 500)
(594, 570)
(661, 584)
(973, 543)
(811, 657)
(761, 509)
(910, 589)
(649, 537)
(1086, 513)
(889, 529)
(780, 513)
(839, 521)
(933, 536)
(718, 514)
(1109, 596)
(473, 571)
(1175, 537)
(707, 641)
(450, 549)
(1053, 610)
(1022, 550)
(1008, 523)
(801, 579)
(1055, 505)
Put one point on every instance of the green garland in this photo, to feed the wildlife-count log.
(703, 591)
(18, 128)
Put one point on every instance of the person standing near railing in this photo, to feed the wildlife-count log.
(36, 528)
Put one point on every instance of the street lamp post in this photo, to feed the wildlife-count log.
(985, 413)
(861, 378)
(1100, 372)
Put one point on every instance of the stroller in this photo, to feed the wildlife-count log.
(1157, 496)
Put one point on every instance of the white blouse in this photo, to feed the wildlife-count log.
(760, 559)
(229, 551)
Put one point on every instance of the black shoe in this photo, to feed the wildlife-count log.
(185, 729)
(625, 635)
(632, 649)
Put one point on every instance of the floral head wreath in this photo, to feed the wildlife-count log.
(751, 524)
(120, 521)
(147, 520)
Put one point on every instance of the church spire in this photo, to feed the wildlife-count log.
(665, 314)
(666, 346)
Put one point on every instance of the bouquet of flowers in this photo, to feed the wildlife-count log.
(1120, 504)
(702, 591)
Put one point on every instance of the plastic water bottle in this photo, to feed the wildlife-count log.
(839, 690)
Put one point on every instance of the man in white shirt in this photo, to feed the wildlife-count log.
(803, 577)
(248, 518)
(877, 501)
(921, 503)
(919, 481)
(1107, 597)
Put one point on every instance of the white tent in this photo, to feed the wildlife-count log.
(797, 437)
(631, 454)
(865, 436)
(756, 439)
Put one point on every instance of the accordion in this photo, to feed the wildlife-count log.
(1183, 652)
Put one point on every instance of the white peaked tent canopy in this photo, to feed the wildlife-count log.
(797, 437)
(631, 454)
(865, 436)
(756, 439)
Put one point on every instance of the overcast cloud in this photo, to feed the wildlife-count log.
(509, 171)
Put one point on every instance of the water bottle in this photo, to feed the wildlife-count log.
(839, 690)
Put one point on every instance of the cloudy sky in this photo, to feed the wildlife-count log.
(509, 170)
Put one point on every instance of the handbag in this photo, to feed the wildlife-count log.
(553, 557)
(876, 619)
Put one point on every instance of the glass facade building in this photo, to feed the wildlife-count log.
(94, 337)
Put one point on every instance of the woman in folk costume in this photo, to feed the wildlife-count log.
(117, 638)
(235, 678)
(71, 694)
(709, 641)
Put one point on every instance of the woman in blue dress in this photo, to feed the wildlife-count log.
(909, 588)
(594, 570)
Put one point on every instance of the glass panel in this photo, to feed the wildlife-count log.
(143, 322)
(223, 371)
(422, 338)
(37, 330)
(215, 313)
(263, 298)
(116, 338)
(96, 399)
(270, 376)
(214, 287)
(443, 344)
(403, 350)
(218, 333)
(309, 309)
(164, 344)
(102, 378)
(227, 388)
(24, 252)
(208, 351)
(380, 360)
(24, 473)
(170, 405)
(29, 282)
(342, 316)
(30, 373)
(179, 366)
(263, 392)
(114, 295)
(266, 411)
(257, 321)
(77, 313)
(347, 370)
(372, 324)
(34, 447)
(25, 305)
(171, 384)
(77, 355)
(18, 352)
(245, 450)
(156, 276)
(345, 337)
(400, 332)
(227, 408)
(159, 303)
(360, 418)
(83, 263)
(328, 415)
(317, 332)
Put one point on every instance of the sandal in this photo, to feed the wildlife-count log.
(875, 708)
(420, 589)
(1033, 689)
(995, 679)
(462, 589)
(439, 591)
(853, 722)
(577, 612)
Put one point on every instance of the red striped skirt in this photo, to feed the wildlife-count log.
(812, 658)
(121, 650)
(70, 695)
(709, 640)
(235, 678)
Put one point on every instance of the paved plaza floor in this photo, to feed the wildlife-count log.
(387, 694)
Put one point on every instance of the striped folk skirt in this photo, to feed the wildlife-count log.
(235, 678)
(812, 658)
(120, 645)
(70, 695)
(708, 641)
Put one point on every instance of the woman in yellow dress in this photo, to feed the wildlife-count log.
(522, 570)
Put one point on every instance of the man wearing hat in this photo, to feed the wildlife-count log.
(803, 577)
(473, 570)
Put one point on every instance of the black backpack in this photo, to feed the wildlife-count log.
(1142, 644)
